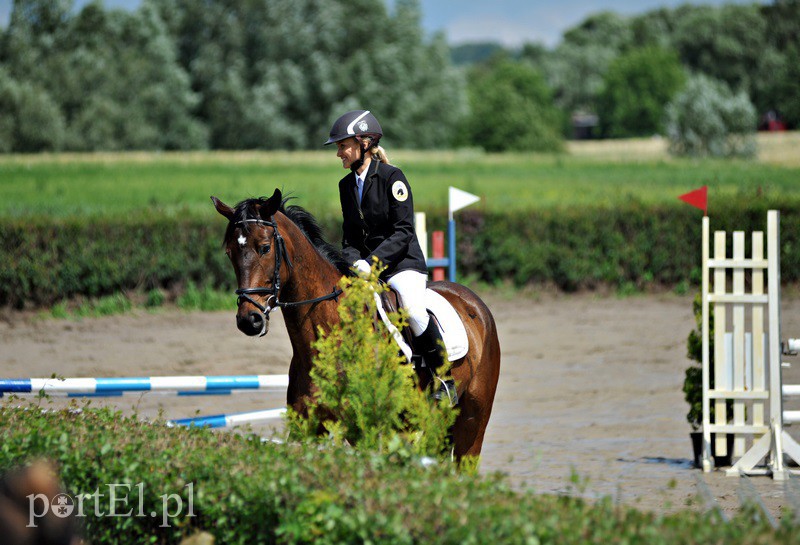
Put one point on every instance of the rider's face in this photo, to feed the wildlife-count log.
(347, 151)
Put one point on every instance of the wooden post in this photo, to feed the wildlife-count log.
(738, 343)
(708, 463)
(759, 383)
(720, 321)
(437, 241)
(774, 341)
(422, 232)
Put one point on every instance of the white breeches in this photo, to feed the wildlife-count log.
(410, 286)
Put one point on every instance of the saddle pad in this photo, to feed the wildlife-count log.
(454, 334)
(452, 328)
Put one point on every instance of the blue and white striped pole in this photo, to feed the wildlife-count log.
(230, 420)
(101, 387)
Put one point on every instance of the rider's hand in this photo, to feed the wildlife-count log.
(361, 267)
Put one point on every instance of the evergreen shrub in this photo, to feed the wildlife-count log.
(367, 396)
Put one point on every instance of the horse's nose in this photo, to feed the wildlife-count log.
(254, 323)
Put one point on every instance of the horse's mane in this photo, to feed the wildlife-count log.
(304, 221)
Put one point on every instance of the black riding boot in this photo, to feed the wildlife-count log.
(430, 346)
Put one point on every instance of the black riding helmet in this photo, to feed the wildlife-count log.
(358, 123)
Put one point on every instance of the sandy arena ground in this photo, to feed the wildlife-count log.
(588, 384)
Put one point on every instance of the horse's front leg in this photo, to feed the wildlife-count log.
(300, 389)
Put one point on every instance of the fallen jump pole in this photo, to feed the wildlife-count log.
(182, 385)
(230, 420)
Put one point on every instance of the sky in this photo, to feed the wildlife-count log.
(509, 22)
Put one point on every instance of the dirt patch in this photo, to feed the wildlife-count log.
(589, 386)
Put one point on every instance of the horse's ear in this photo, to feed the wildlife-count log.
(222, 208)
(273, 205)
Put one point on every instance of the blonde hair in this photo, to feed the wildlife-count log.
(377, 151)
(380, 154)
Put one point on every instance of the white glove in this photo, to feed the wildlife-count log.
(362, 267)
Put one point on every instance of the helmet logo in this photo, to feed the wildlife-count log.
(363, 125)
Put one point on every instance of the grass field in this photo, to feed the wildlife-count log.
(590, 173)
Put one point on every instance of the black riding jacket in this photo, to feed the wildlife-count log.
(384, 224)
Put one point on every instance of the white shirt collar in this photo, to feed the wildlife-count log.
(363, 175)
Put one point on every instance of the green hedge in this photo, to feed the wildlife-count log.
(632, 245)
(246, 491)
(44, 260)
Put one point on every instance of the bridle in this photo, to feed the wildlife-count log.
(273, 292)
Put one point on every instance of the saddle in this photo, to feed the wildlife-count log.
(454, 334)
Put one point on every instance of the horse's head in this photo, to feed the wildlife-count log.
(257, 251)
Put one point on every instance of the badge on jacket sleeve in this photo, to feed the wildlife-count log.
(400, 191)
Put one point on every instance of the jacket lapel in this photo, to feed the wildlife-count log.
(372, 170)
(353, 191)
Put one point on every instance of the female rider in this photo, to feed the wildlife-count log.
(378, 213)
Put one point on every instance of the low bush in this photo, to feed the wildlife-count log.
(367, 396)
(247, 491)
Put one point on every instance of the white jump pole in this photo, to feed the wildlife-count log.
(182, 385)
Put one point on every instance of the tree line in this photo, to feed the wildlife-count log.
(627, 69)
(220, 74)
(273, 74)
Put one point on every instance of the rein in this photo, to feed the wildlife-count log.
(273, 292)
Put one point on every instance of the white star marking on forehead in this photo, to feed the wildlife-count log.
(242, 241)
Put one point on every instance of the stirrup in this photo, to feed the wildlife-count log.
(446, 390)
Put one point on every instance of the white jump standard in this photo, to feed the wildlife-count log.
(747, 374)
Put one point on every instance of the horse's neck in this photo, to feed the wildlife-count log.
(311, 276)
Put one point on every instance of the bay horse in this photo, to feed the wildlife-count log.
(282, 261)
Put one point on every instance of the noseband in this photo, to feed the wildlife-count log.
(274, 291)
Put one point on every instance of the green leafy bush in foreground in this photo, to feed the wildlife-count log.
(248, 491)
(366, 395)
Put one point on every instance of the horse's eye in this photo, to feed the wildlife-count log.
(263, 250)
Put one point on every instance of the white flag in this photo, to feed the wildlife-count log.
(460, 199)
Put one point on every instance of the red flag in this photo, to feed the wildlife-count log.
(697, 198)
